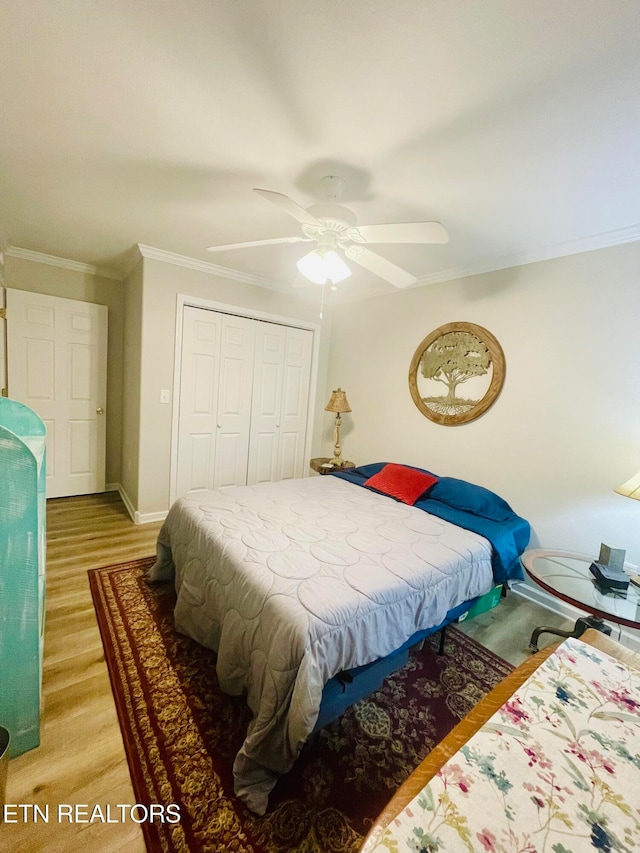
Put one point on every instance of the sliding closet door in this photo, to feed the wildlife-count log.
(197, 424)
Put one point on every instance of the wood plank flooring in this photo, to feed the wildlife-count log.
(81, 758)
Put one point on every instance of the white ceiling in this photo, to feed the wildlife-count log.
(514, 123)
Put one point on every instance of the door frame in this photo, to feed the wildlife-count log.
(4, 374)
(182, 301)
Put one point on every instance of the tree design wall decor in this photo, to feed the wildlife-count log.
(456, 373)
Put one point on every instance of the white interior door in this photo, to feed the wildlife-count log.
(57, 365)
(197, 425)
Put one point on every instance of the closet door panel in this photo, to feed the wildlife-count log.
(197, 425)
(295, 404)
(234, 401)
(200, 462)
(291, 448)
(267, 402)
(263, 458)
(231, 467)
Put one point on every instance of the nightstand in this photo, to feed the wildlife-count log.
(322, 464)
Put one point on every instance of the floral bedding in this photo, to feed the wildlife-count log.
(556, 769)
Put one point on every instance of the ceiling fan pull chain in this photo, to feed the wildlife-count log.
(322, 301)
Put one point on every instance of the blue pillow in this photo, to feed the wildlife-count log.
(471, 498)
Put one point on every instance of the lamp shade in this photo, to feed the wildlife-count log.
(630, 489)
(338, 402)
(320, 267)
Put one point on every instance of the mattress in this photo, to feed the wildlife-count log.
(293, 582)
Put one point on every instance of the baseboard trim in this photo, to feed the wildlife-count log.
(127, 503)
(140, 517)
(627, 636)
(148, 517)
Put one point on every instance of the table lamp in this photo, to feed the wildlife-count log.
(629, 489)
(338, 404)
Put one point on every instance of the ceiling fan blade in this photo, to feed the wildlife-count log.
(403, 232)
(251, 243)
(289, 206)
(380, 266)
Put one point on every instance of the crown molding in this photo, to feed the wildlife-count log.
(559, 250)
(205, 267)
(65, 263)
(605, 240)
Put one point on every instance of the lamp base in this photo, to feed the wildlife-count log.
(337, 462)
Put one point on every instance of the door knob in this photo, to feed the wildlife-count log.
(100, 411)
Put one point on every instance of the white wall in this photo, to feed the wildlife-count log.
(566, 428)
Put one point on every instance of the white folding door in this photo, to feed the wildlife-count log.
(243, 401)
(280, 403)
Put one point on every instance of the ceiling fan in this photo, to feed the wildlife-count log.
(331, 227)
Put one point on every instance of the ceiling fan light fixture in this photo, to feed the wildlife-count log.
(320, 267)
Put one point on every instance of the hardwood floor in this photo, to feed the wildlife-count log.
(506, 629)
(81, 758)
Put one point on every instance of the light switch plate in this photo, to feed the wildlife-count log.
(165, 396)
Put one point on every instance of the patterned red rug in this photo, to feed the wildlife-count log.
(181, 732)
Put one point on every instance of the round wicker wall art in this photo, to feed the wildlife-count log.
(456, 373)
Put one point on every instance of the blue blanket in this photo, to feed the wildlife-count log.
(472, 507)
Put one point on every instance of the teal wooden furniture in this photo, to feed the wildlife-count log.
(22, 572)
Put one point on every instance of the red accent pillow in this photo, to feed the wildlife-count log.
(398, 481)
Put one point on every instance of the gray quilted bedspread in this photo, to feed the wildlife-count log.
(292, 582)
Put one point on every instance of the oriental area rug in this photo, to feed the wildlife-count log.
(181, 733)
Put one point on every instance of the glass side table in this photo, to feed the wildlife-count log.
(566, 576)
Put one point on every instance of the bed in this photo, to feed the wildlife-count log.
(547, 761)
(302, 584)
